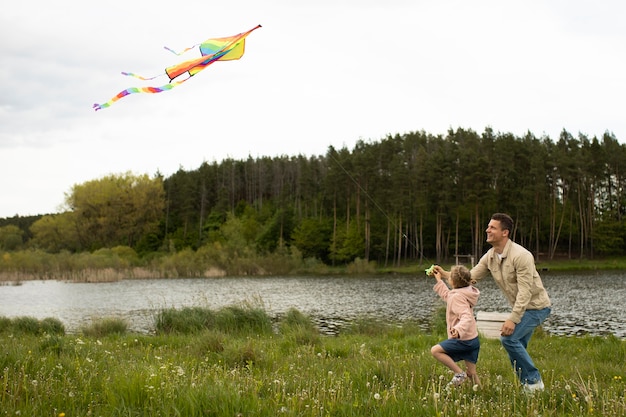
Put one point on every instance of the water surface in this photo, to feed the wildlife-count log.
(585, 303)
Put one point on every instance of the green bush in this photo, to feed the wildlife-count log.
(105, 326)
(5, 324)
(185, 321)
(52, 326)
(299, 328)
(227, 319)
(26, 325)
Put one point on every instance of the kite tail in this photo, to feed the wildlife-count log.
(131, 74)
(181, 52)
(133, 90)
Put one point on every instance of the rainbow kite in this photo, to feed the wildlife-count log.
(212, 50)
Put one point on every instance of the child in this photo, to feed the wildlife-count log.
(462, 342)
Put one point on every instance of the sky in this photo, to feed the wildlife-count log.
(319, 73)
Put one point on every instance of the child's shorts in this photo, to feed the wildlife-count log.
(466, 350)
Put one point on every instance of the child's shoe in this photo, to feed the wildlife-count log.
(458, 379)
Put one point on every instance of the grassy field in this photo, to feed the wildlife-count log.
(238, 362)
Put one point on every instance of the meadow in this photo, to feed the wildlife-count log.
(237, 361)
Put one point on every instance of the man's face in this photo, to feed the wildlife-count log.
(495, 233)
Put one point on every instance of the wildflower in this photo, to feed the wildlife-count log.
(61, 414)
(377, 396)
(475, 387)
(436, 395)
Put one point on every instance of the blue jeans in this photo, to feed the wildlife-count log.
(516, 344)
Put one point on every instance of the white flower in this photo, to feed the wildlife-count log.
(377, 396)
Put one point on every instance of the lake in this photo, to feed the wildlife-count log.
(583, 303)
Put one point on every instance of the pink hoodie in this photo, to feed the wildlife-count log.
(460, 309)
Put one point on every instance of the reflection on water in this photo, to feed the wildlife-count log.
(589, 303)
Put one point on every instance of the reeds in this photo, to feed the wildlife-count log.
(228, 368)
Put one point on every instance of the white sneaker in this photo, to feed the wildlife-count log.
(458, 379)
(532, 388)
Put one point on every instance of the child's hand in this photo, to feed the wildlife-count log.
(442, 273)
(454, 333)
(437, 274)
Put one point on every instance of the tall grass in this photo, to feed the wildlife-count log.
(229, 369)
(105, 265)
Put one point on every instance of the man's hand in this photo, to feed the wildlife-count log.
(507, 328)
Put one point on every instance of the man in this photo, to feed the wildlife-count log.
(513, 268)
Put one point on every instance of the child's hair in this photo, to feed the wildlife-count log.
(460, 276)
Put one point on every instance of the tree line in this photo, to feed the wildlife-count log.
(405, 198)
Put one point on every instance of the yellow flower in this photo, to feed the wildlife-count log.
(61, 414)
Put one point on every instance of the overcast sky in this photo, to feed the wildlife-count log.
(318, 73)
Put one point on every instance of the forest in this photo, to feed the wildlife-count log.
(397, 200)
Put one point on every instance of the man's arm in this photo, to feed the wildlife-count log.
(524, 268)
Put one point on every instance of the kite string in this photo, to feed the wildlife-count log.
(395, 225)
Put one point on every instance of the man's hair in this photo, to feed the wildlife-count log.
(505, 221)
